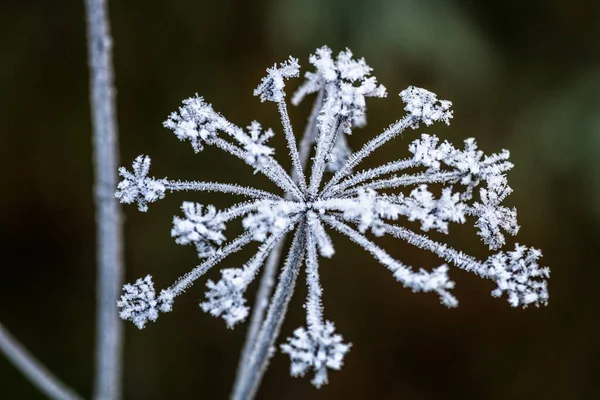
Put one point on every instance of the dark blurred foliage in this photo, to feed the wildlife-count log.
(523, 75)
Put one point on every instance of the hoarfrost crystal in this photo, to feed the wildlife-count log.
(204, 230)
(309, 203)
(316, 349)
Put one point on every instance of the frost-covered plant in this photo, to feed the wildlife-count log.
(352, 203)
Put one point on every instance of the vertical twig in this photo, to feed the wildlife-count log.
(33, 370)
(247, 386)
(109, 331)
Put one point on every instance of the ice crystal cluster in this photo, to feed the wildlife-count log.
(331, 193)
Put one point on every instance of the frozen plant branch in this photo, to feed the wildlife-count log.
(33, 370)
(371, 202)
(109, 330)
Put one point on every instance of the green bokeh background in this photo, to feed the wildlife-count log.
(523, 75)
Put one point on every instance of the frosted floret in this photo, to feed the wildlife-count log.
(431, 212)
(138, 302)
(425, 107)
(352, 78)
(203, 230)
(493, 217)
(353, 102)
(316, 349)
(370, 210)
(257, 152)
(427, 153)
(225, 298)
(271, 86)
(269, 218)
(475, 166)
(351, 69)
(196, 122)
(326, 71)
(138, 187)
(470, 164)
(518, 274)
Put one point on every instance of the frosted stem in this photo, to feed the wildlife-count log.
(403, 180)
(268, 276)
(272, 170)
(354, 159)
(260, 306)
(291, 140)
(421, 281)
(458, 258)
(314, 307)
(327, 132)
(368, 175)
(109, 331)
(311, 131)
(188, 279)
(176, 186)
(33, 370)
(247, 385)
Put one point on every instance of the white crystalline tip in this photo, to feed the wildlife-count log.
(424, 106)
(317, 348)
(202, 229)
(138, 302)
(138, 187)
(226, 297)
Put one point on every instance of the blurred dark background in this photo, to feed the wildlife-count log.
(523, 75)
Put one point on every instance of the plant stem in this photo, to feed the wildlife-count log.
(33, 370)
(268, 276)
(262, 351)
(109, 331)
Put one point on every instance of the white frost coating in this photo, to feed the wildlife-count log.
(519, 275)
(139, 305)
(270, 218)
(202, 229)
(271, 86)
(435, 187)
(433, 213)
(352, 78)
(138, 187)
(345, 83)
(226, 297)
(471, 164)
(324, 243)
(367, 208)
(426, 151)
(339, 154)
(199, 123)
(256, 150)
(422, 281)
(424, 106)
(316, 349)
(493, 215)
(196, 122)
